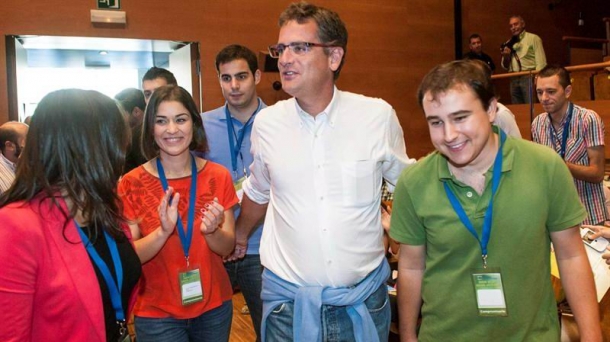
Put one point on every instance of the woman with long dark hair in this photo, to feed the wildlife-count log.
(67, 267)
(180, 207)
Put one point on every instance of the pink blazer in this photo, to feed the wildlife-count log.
(48, 287)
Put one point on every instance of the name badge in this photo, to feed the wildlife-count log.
(489, 292)
(238, 187)
(190, 286)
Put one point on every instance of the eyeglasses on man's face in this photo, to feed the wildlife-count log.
(298, 48)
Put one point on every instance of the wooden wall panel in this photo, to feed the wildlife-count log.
(392, 44)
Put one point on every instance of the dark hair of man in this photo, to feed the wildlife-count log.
(75, 148)
(150, 149)
(473, 36)
(234, 52)
(8, 133)
(331, 29)
(445, 77)
(155, 72)
(131, 98)
(561, 72)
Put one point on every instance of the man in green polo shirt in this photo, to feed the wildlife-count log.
(480, 268)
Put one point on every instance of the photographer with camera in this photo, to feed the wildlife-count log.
(522, 52)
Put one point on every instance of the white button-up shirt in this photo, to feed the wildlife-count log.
(322, 179)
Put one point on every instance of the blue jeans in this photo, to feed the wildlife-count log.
(247, 274)
(336, 324)
(211, 326)
(520, 89)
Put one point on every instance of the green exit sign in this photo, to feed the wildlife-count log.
(108, 4)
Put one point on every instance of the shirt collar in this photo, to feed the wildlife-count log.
(330, 111)
(508, 155)
(223, 117)
(565, 116)
(7, 162)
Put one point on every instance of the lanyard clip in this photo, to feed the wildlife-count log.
(122, 328)
(484, 257)
(187, 261)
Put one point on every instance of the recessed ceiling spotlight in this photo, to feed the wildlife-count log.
(103, 53)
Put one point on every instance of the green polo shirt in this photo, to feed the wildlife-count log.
(536, 196)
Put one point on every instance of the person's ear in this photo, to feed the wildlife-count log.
(257, 76)
(335, 58)
(492, 110)
(137, 113)
(568, 91)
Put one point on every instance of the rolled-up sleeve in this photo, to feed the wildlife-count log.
(258, 183)
(396, 152)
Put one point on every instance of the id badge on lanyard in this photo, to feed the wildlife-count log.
(487, 281)
(191, 289)
(489, 291)
(189, 278)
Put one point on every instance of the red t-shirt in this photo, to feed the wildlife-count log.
(159, 294)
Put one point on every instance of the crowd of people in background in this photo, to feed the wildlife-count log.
(143, 209)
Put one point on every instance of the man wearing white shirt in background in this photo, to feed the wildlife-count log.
(319, 160)
(12, 141)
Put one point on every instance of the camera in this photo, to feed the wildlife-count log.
(510, 43)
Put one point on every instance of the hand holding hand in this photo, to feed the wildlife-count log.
(168, 212)
(241, 245)
(212, 217)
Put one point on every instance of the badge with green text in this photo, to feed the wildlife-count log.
(238, 187)
(489, 292)
(190, 286)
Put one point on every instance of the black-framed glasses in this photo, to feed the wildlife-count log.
(298, 48)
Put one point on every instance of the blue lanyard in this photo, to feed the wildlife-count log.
(565, 133)
(185, 238)
(459, 210)
(114, 289)
(236, 148)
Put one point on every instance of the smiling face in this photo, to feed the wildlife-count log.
(553, 97)
(460, 128)
(238, 84)
(307, 75)
(173, 128)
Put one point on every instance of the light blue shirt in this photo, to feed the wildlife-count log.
(215, 124)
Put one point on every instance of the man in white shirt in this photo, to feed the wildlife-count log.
(319, 160)
(12, 141)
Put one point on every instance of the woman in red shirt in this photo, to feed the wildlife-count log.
(180, 207)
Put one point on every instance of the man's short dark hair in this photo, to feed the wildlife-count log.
(331, 29)
(165, 74)
(234, 52)
(131, 98)
(473, 36)
(561, 72)
(445, 77)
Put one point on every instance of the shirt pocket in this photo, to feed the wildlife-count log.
(359, 179)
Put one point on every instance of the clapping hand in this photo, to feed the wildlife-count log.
(212, 217)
